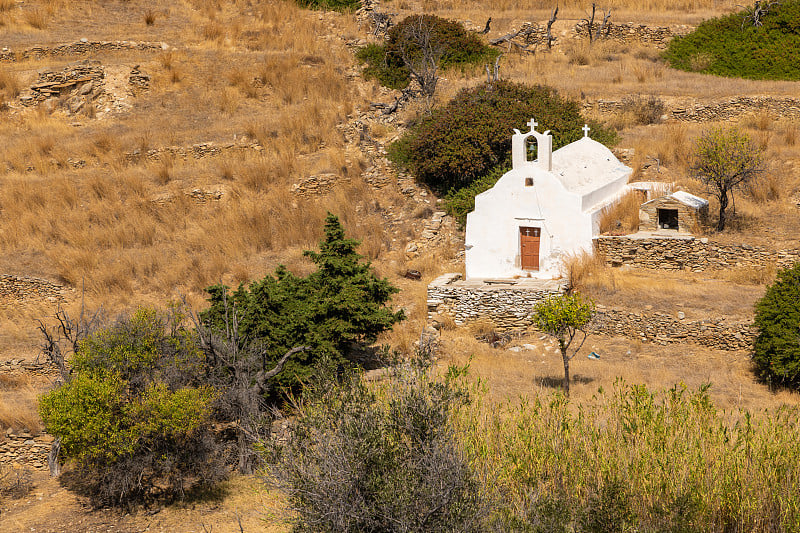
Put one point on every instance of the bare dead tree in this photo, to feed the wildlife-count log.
(382, 22)
(756, 14)
(550, 27)
(603, 29)
(486, 29)
(237, 367)
(421, 53)
(527, 33)
(493, 75)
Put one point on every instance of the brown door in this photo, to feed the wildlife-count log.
(529, 247)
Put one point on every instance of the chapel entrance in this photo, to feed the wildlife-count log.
(529, 247)
(668, 219)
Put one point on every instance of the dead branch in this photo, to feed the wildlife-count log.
(382, 22)
(757, 13)
(486, 29)
(549, 28)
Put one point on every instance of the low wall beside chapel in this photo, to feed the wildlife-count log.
(686, 252)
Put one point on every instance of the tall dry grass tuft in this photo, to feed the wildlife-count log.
(10, 86)
(18, 404)
(622, 216)
(36, 18)
(7, 5)
(585, 271)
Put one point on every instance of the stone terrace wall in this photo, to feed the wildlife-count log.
(82, 47)
(14, 289)
(25, 449)
(688, 253)
(508, 306)
(629, 32)
(661, 328)
(784, 107)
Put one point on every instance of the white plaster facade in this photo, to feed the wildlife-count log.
(561, 193)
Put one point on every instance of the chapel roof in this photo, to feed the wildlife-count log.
(586, 165)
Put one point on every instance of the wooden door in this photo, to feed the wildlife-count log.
(529, 247)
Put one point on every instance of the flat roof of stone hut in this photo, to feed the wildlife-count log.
(683, 197)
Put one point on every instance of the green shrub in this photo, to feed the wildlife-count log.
(722, 46)
(332, 5)
(333, 310)
(134, 420)
(451, 43)
(776, 352)
(471, 135)
(380, 457)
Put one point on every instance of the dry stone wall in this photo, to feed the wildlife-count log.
(507, 306)
(660, 36)
(662, 328)
(82, 47)
(687, 253)
(25, 449)
(732, 108)
(14, 289)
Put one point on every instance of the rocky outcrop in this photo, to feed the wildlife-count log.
(731, 108)
(659, 36)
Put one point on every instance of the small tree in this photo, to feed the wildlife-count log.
(776, 351)
(565, 317)
(724, 160)
(333, 310)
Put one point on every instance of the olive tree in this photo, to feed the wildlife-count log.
(564, 318)
(725, 159)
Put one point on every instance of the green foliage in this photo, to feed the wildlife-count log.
(725, 160)
(340, 305)
(451, 43)
(381, 457)
(388, 70)
(776, 352)
(561, 316)
(331, 5)
(471, 135)
(134, 419)
(722, 46)
(636, 460)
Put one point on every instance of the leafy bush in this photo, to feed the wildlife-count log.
(332, 5)
(381, 457)
(134, 419)
(776, 352)
(333, 310)
(723, 46)
(453, 45)
(471, 135)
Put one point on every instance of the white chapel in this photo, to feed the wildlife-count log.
(542, 210)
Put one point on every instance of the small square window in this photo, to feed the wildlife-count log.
(529, 182)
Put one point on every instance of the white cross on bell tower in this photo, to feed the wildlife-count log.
(532, 123)
(586, 129)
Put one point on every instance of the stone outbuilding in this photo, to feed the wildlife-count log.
(680, 212)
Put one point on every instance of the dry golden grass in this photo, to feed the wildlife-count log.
(508, 374)
(18, 404)
(622, 216)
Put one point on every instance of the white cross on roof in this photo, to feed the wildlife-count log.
(586, 129)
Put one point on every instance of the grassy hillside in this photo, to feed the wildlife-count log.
(735, 46)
